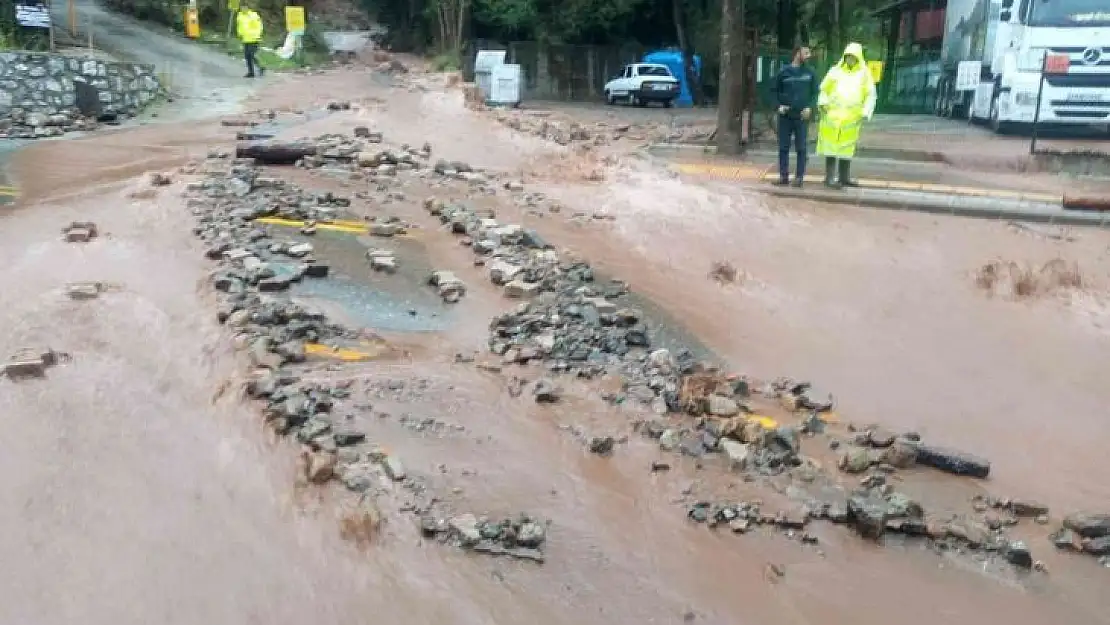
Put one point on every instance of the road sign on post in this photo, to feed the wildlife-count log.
(876, 69)
(192, 22)
(294, 20)
(1052, 65)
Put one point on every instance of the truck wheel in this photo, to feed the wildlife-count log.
(638, 101)
(609, 99)
(668, 104)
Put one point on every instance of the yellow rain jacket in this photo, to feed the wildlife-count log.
(248, 25)
(846, 97)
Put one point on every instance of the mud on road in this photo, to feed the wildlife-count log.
(142, 445)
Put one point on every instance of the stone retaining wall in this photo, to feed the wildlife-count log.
(46, 94)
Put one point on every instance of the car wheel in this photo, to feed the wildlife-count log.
(638, 101)
(668, 104)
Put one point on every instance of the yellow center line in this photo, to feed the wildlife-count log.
(345, 354)
(348, 226)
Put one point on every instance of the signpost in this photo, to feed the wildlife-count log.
(1052, 65)
(876, 69)
(295, 27)
(35, 14)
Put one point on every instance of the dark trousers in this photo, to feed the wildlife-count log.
(792, 128)
(249, 50)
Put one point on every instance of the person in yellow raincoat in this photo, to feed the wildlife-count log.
(248, 25)
(846, 98)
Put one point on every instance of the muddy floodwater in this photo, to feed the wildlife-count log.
(141, 488)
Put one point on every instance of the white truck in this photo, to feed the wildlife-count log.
(994, 50)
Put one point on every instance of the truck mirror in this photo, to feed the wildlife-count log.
(1005, 15)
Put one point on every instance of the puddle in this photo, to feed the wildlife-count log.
(399, 302)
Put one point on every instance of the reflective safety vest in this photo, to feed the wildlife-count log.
(248, 25)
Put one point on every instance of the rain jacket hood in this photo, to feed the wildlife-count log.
(846, 98)
(856, 50)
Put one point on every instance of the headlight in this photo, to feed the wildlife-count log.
(1031, 60)
(1025, 98)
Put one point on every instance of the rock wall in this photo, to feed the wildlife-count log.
(44, 95)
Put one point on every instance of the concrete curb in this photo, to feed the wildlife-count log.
(864, 153)
(955, 205)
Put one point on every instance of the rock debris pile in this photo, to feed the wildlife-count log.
(21, 125)
(522, 537)
(566, 131)
(254, 268)
(576, 325)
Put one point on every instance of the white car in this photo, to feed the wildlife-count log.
(641, 83)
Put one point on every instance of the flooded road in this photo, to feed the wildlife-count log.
(145, 490)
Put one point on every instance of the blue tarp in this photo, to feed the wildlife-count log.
(673, 60)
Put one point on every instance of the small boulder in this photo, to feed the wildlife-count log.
(1088, 524)
(953, 461)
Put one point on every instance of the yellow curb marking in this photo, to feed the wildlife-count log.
(345, 354)
(747, 172)
(12, 191)
(350, 227)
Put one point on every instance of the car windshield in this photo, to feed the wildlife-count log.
(654, 70)
(1069, 13)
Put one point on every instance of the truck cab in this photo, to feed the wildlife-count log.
(1007, 41)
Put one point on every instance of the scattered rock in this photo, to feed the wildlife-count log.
(546, 392)
(1088, 524)
(602, 445)
(80, 232)
(952, 461)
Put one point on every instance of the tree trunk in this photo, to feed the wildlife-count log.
(731, 98)
(787, 25)
(692, 79)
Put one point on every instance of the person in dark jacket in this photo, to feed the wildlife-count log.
(796, 93)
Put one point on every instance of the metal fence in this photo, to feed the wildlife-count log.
(911, 84)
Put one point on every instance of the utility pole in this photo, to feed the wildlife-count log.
(730, 101)
(71, 10)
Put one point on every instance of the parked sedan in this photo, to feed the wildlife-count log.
(641, 83)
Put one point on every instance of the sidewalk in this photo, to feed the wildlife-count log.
(982, 202)
(868, 178)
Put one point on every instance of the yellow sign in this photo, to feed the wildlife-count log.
(876, 68)
(294, 19)
(233, 5)
(192, 23)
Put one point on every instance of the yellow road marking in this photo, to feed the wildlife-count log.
(346, 354)
(742, 172)
(767, 422)
(9, 191)
(338, 225)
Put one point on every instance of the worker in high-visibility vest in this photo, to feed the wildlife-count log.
(248, 26)
(846, 98)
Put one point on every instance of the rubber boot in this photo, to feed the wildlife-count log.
(846, 173)
(830, 173)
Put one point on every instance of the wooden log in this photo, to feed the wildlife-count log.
(275, 153)
(1088, 203)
